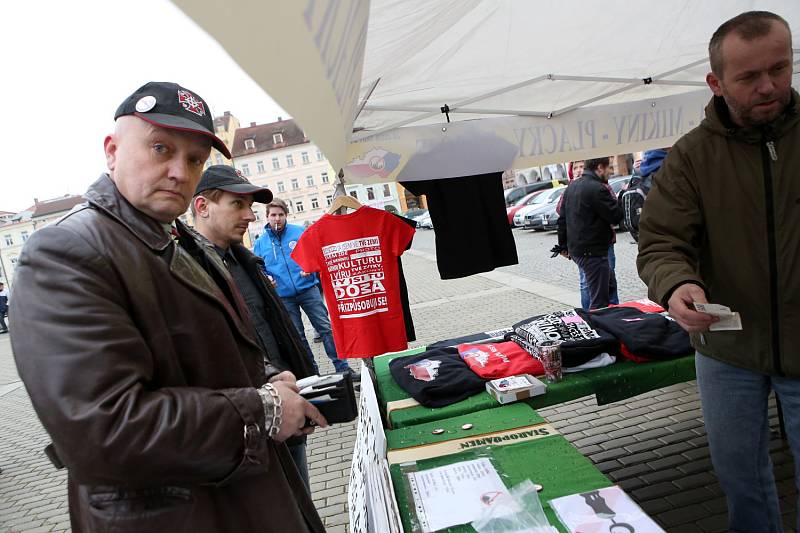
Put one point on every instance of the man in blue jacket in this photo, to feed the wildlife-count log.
(297, 289)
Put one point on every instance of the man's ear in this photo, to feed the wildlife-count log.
(110, 147)
(714, 83)
(201, 206)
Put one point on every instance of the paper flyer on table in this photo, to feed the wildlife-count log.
(454, 494)
(601, 511)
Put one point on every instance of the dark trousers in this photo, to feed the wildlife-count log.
(599, 278)
(3, 326)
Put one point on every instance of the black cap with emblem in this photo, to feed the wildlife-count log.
(226, 178)
(171, 106)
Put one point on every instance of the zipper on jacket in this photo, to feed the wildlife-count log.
(285, 262)
(768, 154)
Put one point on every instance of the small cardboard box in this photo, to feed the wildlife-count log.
(514, 388)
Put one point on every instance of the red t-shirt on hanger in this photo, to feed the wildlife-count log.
(356, 255)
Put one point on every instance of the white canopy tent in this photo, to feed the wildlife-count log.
(420, 89)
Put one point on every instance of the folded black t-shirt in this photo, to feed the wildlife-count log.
(646, 335)
(437, 377)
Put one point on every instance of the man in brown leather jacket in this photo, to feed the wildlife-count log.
(138, 354)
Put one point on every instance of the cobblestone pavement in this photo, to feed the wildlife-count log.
(653, 445)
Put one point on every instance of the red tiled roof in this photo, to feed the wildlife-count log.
(262, 135)
(56, 205)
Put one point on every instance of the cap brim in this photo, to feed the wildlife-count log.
(260, 194)
(184, 124)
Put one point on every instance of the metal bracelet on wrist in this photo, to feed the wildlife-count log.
(274, 426)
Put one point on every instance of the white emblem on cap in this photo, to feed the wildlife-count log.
(145, 104)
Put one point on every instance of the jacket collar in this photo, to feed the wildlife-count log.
(104, 195)
(718, 119)
(591, 175)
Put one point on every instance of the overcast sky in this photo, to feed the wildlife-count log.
(66, 66)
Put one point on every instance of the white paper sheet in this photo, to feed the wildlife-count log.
(454, 494)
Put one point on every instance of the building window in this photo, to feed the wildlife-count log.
(310, 181)
(277, 138)
(315, 203)
(9, 240)
(328, 199)
(319, 156)
(260, 166)
(249, 144)
(246, 169)
(386, 192)
(218, 158)
(281, 188)
(306, 160)
(354, 194)
(295, 184)
(275, 163)
(324, 177)
(370, 193)
(24, 236)
(298, 206)
(289, 161)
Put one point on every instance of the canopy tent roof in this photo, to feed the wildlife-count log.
(525, 83)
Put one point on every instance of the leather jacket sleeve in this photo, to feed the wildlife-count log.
(89, 373)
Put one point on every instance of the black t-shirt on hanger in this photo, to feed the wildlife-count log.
(469, 218)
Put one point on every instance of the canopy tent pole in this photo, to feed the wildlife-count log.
(431, 112)
(366, 97)
(423, 116)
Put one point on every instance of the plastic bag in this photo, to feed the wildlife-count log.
(518, 512)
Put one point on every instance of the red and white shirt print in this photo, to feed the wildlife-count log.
(356, 255)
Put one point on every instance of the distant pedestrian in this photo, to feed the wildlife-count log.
(586, 229)
(3, 307)
(298, 289)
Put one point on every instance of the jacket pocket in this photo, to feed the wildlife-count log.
(150, 509)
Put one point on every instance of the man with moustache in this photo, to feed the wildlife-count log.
(222, 209)
(720, 225)
(140, 361)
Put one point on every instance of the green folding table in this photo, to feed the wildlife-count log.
(619, 381)
(519, 443)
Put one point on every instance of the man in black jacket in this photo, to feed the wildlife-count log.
(585, 228)
(222, 211)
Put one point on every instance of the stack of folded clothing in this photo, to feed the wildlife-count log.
(580, 341)
(643, 336)
(499, 360)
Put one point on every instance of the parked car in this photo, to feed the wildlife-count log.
(424, 221)
(544, 219)
(543, 199)
(515, 194)
(544, 209)
(415, 213)
(525, 200)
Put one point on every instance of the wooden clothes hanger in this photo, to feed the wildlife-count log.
(343, 201)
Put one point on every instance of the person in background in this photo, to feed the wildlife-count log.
(3, 308)
(575, 172)
(297, 289)
(585, 229)
(720, 225)
(222, 210)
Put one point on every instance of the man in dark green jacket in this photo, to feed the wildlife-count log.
(721, 225)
